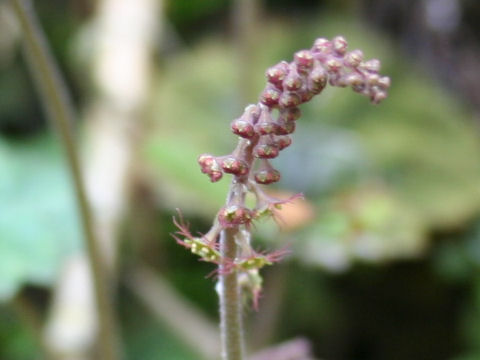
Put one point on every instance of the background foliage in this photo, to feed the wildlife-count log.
(387, 268)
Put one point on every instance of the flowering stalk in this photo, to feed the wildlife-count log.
(262, 136)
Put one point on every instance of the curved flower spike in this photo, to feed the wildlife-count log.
(264, 130)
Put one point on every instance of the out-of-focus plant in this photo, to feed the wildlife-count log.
(263, 131)
(57, 103)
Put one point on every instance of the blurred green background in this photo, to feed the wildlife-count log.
(387, 267)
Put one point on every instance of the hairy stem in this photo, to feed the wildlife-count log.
(231, 325)
(57, 103)
(231, 321)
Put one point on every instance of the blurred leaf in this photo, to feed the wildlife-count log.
(16, 342)
(147, 339)
(367, 223)
(38, 223)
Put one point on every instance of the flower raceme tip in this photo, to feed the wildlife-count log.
(264, 131)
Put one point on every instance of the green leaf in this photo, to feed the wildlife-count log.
(38, 223)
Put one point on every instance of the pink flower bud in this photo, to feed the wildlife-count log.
(378, 96)
(372, 79)
(356, 81)
(206, 160)
(283, 142)
(384, 82)
(243, 128)
(266, 128)
(209, 166)
(232, 165)
(293, 81)
(317, 80)
(266, 151)
(354, 58)
(288, 100)
(322, 45)
(215, 175)
(285, 127)
(270, 97)
(234, 215)
(251, 113)
(265, 124)
(267, 176)
(304, 61)
(333, 65)
(339, 45)
(277, 73)
(372, 65)
(306, 96)
(341, 81)
(291, 114)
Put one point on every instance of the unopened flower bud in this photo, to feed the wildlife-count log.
(356, 81)
(341, 81)
(266, 128)
(215, 175)
(304, 60)
(206, 160)
(266, 151)
(234, 215)
(265, 124)
(293, 81)
(372, 65)
(232, 165)
(291, 114)
(277, 73)
(283, 142)
(267, 176)
(285, 127)
(384, 82)
(339, 45)
(209, 166)
(372, 79)
(317, 80)
(270, 97)
(251, 113)
(353, 58)
(378, 96)
(288, 100)
(322, 45)
(243, 128)
(306, 96)
(333, 65)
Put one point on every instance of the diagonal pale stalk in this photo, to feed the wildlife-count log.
(170, 308)
(58, 106)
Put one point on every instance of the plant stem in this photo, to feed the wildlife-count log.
(57, 103)
(231, 326)
(231, 321)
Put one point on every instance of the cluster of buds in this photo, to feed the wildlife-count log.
(264, 130)
(291, 84)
